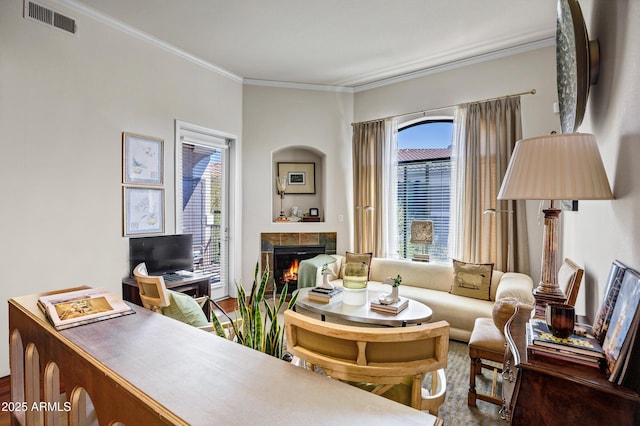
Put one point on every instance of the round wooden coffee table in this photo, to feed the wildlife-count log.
(414, 313)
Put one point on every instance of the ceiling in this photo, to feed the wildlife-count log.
(347, 43)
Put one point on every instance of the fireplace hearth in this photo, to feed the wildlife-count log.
(286, 260)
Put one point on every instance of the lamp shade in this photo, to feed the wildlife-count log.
(422, 231)
(564, 166)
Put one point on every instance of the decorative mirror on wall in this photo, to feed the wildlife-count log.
(577, 62)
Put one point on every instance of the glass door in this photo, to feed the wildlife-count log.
(203, 211)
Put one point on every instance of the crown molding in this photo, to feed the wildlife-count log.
(448, 66)
(460, 63)
(121, 26)
(303, 86)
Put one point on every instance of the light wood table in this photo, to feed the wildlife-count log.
(415, 313)
(150, 369)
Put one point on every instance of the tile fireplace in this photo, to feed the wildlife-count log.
(284, 251)
(285, 264)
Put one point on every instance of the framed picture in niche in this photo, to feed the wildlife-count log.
(301, 177)
(314, 212)
(297, 178)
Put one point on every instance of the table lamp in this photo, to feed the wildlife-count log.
(421, 233)
(281, 185)
(563, 166)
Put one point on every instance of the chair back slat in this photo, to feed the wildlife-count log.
(152, 289)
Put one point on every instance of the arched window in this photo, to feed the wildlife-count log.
(424, 183)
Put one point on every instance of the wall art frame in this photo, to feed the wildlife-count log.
(142, 159)
(301, 177)
(143, 211)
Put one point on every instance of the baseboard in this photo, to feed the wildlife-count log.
(5, 389)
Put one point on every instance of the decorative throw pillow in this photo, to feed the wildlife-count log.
(504, 308)
(184, 308)
(472, 279)
(360, 258)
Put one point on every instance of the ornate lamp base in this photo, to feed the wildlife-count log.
(548, 290)
(542, 300)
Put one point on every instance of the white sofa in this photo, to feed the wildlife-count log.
(430, 283)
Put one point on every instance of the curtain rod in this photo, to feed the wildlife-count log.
(424, 111)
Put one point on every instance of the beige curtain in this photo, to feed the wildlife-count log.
(486, 133)
(368, 184)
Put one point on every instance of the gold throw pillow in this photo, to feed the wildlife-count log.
(472, 279)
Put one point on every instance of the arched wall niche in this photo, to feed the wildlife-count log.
(288, 159)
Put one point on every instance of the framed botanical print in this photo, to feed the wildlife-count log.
(143, 211)
(301, 177)
(142, 159)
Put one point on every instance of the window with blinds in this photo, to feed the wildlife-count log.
(424, 185)
(424, 194)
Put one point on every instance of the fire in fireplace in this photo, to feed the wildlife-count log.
(291, 274)
(286, 260)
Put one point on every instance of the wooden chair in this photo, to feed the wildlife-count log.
(154, 293)
(487, 343)
(152, 289)
(385, 361)
(569, 280)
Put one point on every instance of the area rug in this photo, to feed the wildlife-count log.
(455, 411)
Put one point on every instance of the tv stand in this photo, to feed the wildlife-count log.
(195, 286)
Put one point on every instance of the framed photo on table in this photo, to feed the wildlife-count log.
(142, 159)
(301, 177)
(603, 317)
(143, 211)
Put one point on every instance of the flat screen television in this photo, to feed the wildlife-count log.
(163, 254)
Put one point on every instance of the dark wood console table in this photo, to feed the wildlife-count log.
(196, 286)
(548, 392)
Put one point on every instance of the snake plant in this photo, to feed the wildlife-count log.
(256, 324)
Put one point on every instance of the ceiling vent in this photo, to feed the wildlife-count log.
(50, 17)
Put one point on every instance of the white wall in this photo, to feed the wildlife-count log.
(499, 77)
(602, 231)
(64, 102)
(275, 118)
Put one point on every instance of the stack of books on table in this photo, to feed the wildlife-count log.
(79, 307)
(584, 350)
(379, 305)
(324, 295)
